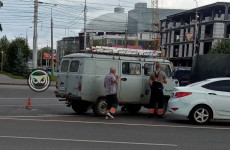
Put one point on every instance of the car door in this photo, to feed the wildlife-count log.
(62, 76)
(131, 83)
(218, 95)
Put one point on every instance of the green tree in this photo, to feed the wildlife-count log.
(221, 47)
(4, 44)
(20, 65)
(13, 54)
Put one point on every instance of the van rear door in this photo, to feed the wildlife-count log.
(62, 76)
(73, 79)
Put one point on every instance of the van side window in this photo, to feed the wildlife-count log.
(131, 68)
(64, 66)
(149, 68)
(74, 66)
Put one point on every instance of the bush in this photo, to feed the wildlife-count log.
(222, 47)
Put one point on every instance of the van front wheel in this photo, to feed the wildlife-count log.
(100, 107)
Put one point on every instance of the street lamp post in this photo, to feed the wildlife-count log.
(2, 61)
(196, 26)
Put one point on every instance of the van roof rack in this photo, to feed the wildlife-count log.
(123, 51)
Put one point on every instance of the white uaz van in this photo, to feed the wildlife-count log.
(80, 80)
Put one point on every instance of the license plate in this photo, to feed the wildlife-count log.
(62, 88)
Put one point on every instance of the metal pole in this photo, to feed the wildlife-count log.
(2, 62)
(196, 26)
(35, 34)
(85, 40)
(41, 59)
(52, 50)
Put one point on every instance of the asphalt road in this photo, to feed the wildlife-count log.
(49, 125)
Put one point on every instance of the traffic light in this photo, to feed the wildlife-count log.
(0, 27)
(1, 4)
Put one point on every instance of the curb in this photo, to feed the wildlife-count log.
(21, 84)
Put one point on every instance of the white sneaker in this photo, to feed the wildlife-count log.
(109, 116)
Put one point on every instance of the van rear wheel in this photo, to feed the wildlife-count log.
(80, 107)
(100, 107)
(133, 109)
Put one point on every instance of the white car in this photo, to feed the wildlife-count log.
(202, 101)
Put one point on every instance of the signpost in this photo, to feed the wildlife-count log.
(189, 36)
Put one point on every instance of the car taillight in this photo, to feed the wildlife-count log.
(56, 85)
(79, 86)
(182, 94)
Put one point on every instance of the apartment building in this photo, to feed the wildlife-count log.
(213, 25)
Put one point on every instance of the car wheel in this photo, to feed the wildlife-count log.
(133, 109)
(80, 107)
(201, 115)
(100, 107)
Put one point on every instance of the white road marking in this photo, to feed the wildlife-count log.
(26, 98)
(40, 116)
(112, 123)
(33, 105)
(88, 141)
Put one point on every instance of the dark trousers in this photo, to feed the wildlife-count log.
(157, 96)
(112, 101)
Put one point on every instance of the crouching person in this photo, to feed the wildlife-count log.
(110, 83)
(156, 81)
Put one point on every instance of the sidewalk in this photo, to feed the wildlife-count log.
(5, 80)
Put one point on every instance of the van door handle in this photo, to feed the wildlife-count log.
(123, 79)
(212, 93)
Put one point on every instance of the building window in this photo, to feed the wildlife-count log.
(176, 51)
(187, 50)
(183, 50)
(208, 31)
(207, 47)
(177, 36)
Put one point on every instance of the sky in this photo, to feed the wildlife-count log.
(16, 16)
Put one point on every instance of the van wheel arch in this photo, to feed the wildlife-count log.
(99, 107)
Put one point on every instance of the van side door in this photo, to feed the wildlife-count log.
(149, 68)
(131, 82)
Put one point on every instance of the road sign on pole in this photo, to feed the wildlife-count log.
(189, 36)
